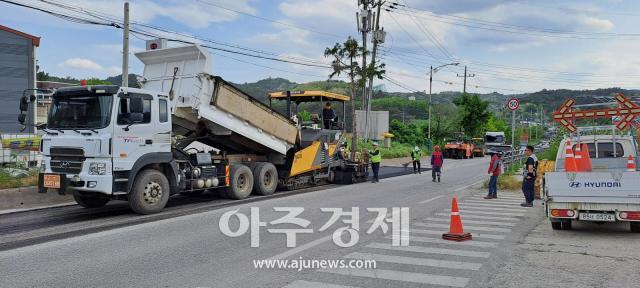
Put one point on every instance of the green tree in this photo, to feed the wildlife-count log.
(472, 113)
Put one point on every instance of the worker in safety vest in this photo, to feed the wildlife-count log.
(376, 158)
(416, 154)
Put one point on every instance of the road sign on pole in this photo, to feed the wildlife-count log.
(513, 104)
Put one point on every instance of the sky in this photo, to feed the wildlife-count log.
(509, 47)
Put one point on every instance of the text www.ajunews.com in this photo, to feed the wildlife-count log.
(301, 264)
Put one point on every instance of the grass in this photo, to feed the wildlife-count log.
(7, 181)
(397, 150)
(505, 182)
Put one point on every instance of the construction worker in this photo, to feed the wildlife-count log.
(494, 171)
(529, 174)
(416, 154)
(376, 158)
(328, 115)
(436, 163)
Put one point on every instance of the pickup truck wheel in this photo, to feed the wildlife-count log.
(566, 225)
(241, 182)
(90, 201)
(635, 227)
(150, 192)
(556, 225)
(265, 178)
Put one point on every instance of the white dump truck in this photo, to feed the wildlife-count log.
(604, 189)
(105, 143)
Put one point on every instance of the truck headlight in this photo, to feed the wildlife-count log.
(97, 168)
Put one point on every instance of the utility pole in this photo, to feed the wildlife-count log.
(364, 26)
(431, 71)
(464, 88)
(378, 38)
(125, 47)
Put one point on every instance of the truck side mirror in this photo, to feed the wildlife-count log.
(24, 103)
(22, 118)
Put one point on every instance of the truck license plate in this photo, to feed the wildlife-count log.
(597, 217)
(52, 181)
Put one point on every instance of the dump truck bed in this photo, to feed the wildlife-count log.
(204, 104)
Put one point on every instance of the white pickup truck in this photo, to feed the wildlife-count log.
(607, 193)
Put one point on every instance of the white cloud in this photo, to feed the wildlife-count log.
(80, 63)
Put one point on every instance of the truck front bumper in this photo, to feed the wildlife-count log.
(83, 182)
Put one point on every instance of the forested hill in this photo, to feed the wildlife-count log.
(548, 98)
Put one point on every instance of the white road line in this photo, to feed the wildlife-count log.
(486, 208)
(415, 261)
(494, 205)
(421, 278)
(440, 232)
(466, 227)
(472, 211)
(429, 250)
(500, 202)
(464, 220)
(431, 199)
(309, 284)
(467, 186)
(442, 241)
(302, 247)
(468, 216)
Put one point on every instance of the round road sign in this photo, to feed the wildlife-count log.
(513, 104)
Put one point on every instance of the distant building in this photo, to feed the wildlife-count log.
(17, 74)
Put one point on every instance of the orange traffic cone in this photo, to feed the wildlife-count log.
(578, 158)
(456, 233)
(631, 165)
(586, 158)
(569, 161)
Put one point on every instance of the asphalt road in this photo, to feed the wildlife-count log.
(191, 250)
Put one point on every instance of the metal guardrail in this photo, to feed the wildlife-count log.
(515, 157)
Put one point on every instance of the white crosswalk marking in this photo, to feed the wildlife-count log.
(469, 216)
(309, 284)
(486, 208)
(473, 211)
(440, 232)
(498, 201)
(494, 205)
(455, 243)
(447, 220)
(421, 278)
(429, 250)
(416, 261)
(466, 227)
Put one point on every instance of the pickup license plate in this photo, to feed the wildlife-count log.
(51, 181)
(597, 217)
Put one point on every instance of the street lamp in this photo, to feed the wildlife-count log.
(431, 72)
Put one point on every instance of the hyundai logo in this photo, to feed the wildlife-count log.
(64, 164)
(574, 184)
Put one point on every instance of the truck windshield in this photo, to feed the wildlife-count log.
(494, 138)
(80, 111)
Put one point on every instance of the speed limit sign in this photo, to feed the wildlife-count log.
(513, 104)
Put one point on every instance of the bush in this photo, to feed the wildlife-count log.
(8, 181)
(397, 150)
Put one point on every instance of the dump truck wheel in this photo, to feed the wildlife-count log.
(265, 178)
(241, 182)
(635, 227)
(556, 225)
(150, 192)
(90, 201)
